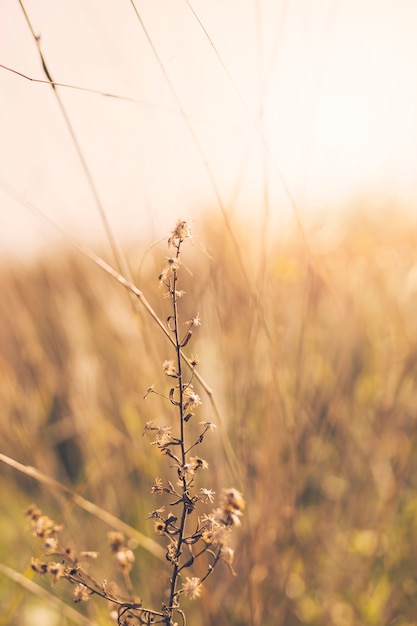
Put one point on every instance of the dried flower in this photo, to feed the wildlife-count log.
(208, 425)
(171, 266)
(217, 525)
(178, 293)
(227, 554)
(173, 263)
(38, 566)
(180, 233)
(116, 540)
(194, 360)
(159, 528)
(70, 551)
(216, 535)
(81, 593)
(157, 488)
(197, 463)
(187, 471)
(88, 554)
(50, 545)
(162, 435)
(148, 392)
(57, 570)
(43, 527)
(125, 558)
(191, 398)
(206, 495)
(33, 512)
(194, 321)
(157, 513)
(192, 587)
(169, 368)
(232, 499)
(171, 554)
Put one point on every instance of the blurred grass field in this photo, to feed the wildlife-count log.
(312, 359)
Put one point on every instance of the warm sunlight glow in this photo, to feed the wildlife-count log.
(208, 312)
(235, 107)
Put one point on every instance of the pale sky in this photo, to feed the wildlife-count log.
(315, 97)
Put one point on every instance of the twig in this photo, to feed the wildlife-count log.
(120, 260)
(145, 542)
(57, 604)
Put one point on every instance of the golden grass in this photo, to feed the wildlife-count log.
(312, 360)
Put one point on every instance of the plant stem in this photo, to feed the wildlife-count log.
(176, 566)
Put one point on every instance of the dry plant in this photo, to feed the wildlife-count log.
(192, 532)
(320, 412)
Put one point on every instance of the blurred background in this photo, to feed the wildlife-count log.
(285, 133)
(249, 101)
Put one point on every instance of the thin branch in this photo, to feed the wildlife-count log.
(111, 520)
(115, 96)
(88, 253)
(60, 607)
(198, 147)
(254, 122)
(120, 260)
(256, 125)
(97, 92)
